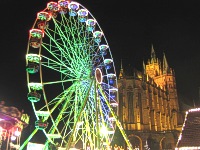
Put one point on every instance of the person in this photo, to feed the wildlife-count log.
(116, 147)
(109, 147)
(88, 147)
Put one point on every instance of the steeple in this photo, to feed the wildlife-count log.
(121, 71)
(153, 55)
(165, 65)
(144, 67)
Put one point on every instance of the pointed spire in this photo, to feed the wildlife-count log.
(153, 54)
(165, 64)
(144, 67)
(160, 68)
(121, 71)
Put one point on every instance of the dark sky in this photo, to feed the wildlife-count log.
(131, 27)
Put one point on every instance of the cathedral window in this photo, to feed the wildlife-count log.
(130, 106)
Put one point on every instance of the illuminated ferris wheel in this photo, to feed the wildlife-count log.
(71, 78)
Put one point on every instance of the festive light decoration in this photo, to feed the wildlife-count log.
(191, 117)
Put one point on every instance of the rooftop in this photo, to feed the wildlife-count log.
(190, 135)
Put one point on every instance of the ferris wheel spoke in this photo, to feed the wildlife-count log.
(67, 52)
(62, 68)
(57, 66)
(62, 81)
(55, 47)
(55, 52)
(57, 100)
(69, 35)
(68, 98)
(79, 40)
(71, 29)
(76, 117)
(65, 106)
(79, 61)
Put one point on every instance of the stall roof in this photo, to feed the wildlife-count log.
(190, 135)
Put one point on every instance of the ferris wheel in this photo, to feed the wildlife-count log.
(71, 78)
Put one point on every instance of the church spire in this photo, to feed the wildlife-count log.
(165, 64)
(153, 54)
(144, 67)
(121, 71)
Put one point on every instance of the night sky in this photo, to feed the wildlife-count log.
(130, 29)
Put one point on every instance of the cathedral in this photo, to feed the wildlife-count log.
(149, 106)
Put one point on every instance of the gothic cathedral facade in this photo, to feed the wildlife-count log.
(148, 105)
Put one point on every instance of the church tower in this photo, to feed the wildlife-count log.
(164, 77)
(153, 65)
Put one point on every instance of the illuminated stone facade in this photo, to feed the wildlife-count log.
(148, 105)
